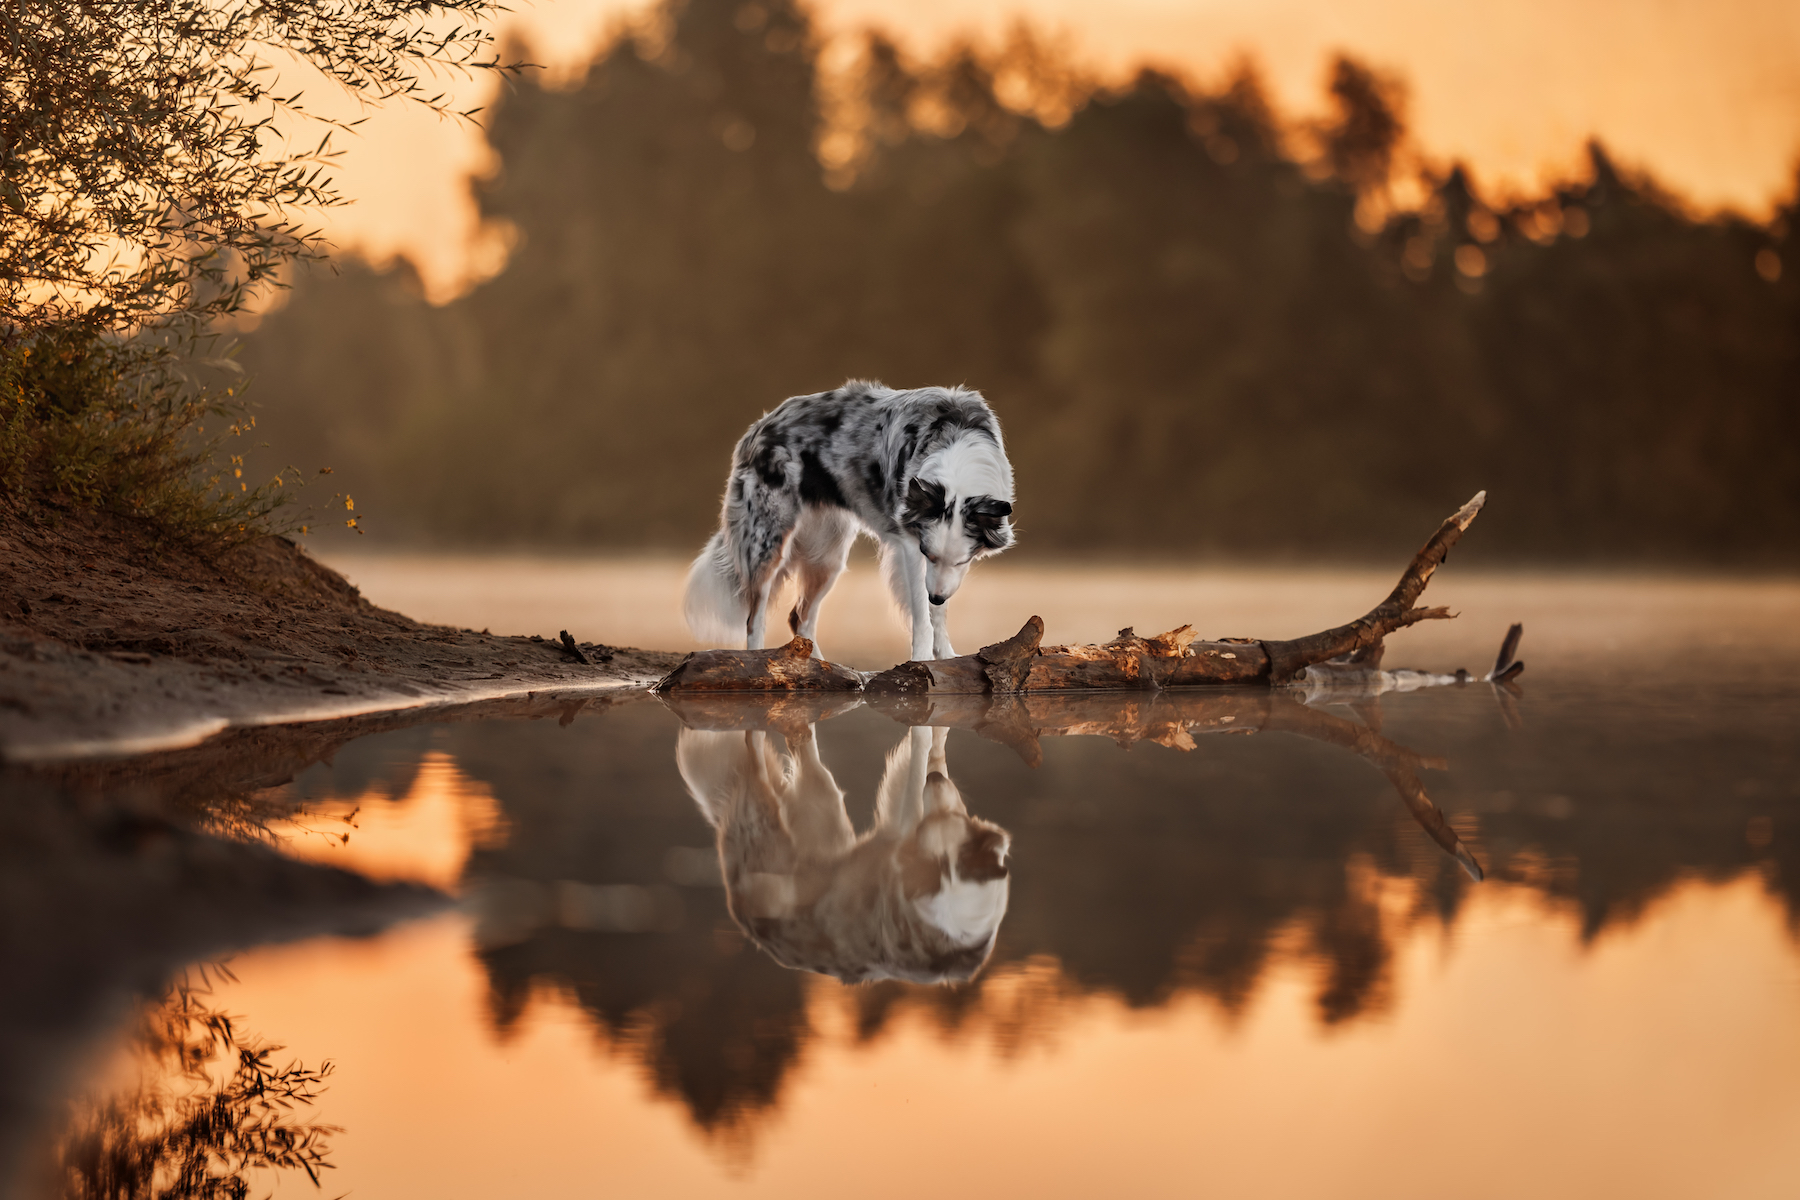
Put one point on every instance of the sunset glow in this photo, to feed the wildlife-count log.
(1706, 96)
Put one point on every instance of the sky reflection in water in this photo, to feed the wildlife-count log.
(1246, 967)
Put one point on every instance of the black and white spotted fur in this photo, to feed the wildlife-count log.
(924, 472)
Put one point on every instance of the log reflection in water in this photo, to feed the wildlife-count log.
(1144, 877)
(1169, 718)
(1174, 719)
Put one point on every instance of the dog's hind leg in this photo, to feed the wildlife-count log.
(812, 807)
(757, 589)
(762, 535)
(821, 547)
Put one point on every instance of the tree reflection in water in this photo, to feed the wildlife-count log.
(1141, 878)
(208, 1111)
(588, 896)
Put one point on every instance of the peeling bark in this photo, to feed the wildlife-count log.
(789, 668)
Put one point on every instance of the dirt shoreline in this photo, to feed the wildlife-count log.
(108, 648)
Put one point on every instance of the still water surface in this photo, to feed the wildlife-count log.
(1231, 964)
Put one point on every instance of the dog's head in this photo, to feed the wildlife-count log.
(953, 870)
(957, 507)
(953, 531)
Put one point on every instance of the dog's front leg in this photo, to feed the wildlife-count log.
(937, 760)
(918, 603)
(940, 633)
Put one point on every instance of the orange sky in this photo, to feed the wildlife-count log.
(1705, 93)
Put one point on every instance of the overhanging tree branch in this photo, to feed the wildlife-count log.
(143, 179)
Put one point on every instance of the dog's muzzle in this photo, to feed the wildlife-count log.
(939, 600)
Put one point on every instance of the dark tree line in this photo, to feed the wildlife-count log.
(1166, 292)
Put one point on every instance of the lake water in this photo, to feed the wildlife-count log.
(1224, 964)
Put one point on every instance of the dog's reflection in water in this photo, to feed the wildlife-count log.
(919, 897)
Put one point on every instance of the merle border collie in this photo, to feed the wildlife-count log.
(924, 472)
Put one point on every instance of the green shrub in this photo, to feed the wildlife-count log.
(125, 428)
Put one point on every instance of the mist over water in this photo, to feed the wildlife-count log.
(1583, 627)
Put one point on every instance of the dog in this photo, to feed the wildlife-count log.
(924, 472)
(919, 897)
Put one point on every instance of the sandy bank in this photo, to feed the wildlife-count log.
(108, 648)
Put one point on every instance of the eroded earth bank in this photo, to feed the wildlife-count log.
(109, 646)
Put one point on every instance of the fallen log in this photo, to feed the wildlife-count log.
(1130, 662)
(1127, 663)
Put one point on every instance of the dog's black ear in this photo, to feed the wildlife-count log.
(987, 509)
(983, 856)
(986, 521)
(924, 503)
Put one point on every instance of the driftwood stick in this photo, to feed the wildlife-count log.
(1507, 666)
(1287, 659)
(569, 647)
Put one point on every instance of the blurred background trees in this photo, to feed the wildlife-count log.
(1208, 331)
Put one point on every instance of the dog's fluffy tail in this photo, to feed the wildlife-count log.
(714, 605)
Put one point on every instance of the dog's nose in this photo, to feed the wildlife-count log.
(939, 600)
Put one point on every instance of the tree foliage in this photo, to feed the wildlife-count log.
(158, 166)
(145, 175)
(1208, 329)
